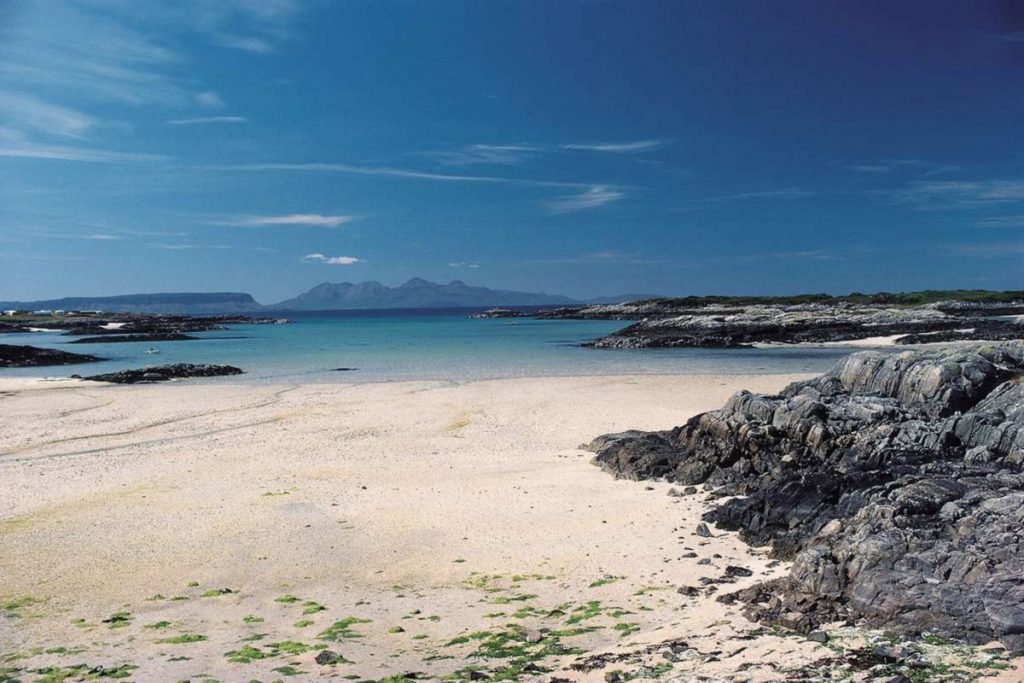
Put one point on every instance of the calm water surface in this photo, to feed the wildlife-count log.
(437, 344)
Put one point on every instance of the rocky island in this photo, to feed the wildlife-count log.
(895, 484)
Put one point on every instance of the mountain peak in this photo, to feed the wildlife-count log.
(415, 293)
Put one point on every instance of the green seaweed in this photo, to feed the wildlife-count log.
(119, 619)
(605, 580)
(182, 639)
(342, 630)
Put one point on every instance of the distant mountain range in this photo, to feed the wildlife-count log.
(195, 303)
(416, 293)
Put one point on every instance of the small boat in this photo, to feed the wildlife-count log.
(151, 350)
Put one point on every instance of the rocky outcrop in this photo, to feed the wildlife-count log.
(163, 373)
(124, 338)
(114, 324)
(12, 356)
(500, 313)
(895, 483)
(810, 323)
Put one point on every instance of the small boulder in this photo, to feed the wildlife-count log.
(328, 658)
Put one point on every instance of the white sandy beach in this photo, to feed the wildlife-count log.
(431, 511)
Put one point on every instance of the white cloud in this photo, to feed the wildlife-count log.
(618, 147)
(331, 260)
(209, 100)
(309, 219)
(320, 167)
(595, 196)
(463, 264)
(488, 154)
(23, 149)
(32, 113)
(207, 119)
(220, 247)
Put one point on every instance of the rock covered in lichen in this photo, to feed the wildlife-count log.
(895, 482)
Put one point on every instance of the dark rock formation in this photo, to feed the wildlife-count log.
(500, 313)
(894, 482)
(163, 373)
(811, 323)
(30, 356)
(122, 338)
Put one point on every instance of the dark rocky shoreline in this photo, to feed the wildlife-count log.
(13, 356)
(742, 322)
(807, 325)
(127, 338)
(164, 373)
(895, 483)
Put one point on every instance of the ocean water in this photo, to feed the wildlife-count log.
(416, 345)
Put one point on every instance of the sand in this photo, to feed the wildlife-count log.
(408, 527)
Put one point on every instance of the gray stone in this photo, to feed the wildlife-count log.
(894, 482)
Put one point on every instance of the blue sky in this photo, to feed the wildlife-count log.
(577, 147)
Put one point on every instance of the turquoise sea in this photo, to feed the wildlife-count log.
(422, 344)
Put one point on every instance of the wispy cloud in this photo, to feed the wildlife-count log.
(996, 250)
(121, 51)
(97, 236)
(958, 194)
(785, 193)
(807, 255)
(505, 155)
(302, 219)
(207, 119)
(209, 100)
(331, 260)
(27, 150)
(593, 197)
(386, 171)
(186, 246)
(31, 113)
(516, 153)
(915, 167)
(618, 147)
(1001, 222)
(463, 264)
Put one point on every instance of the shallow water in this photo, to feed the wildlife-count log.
(415, 345)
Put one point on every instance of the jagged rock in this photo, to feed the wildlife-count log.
(703, 530)
(165, 372)
(895, 483)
